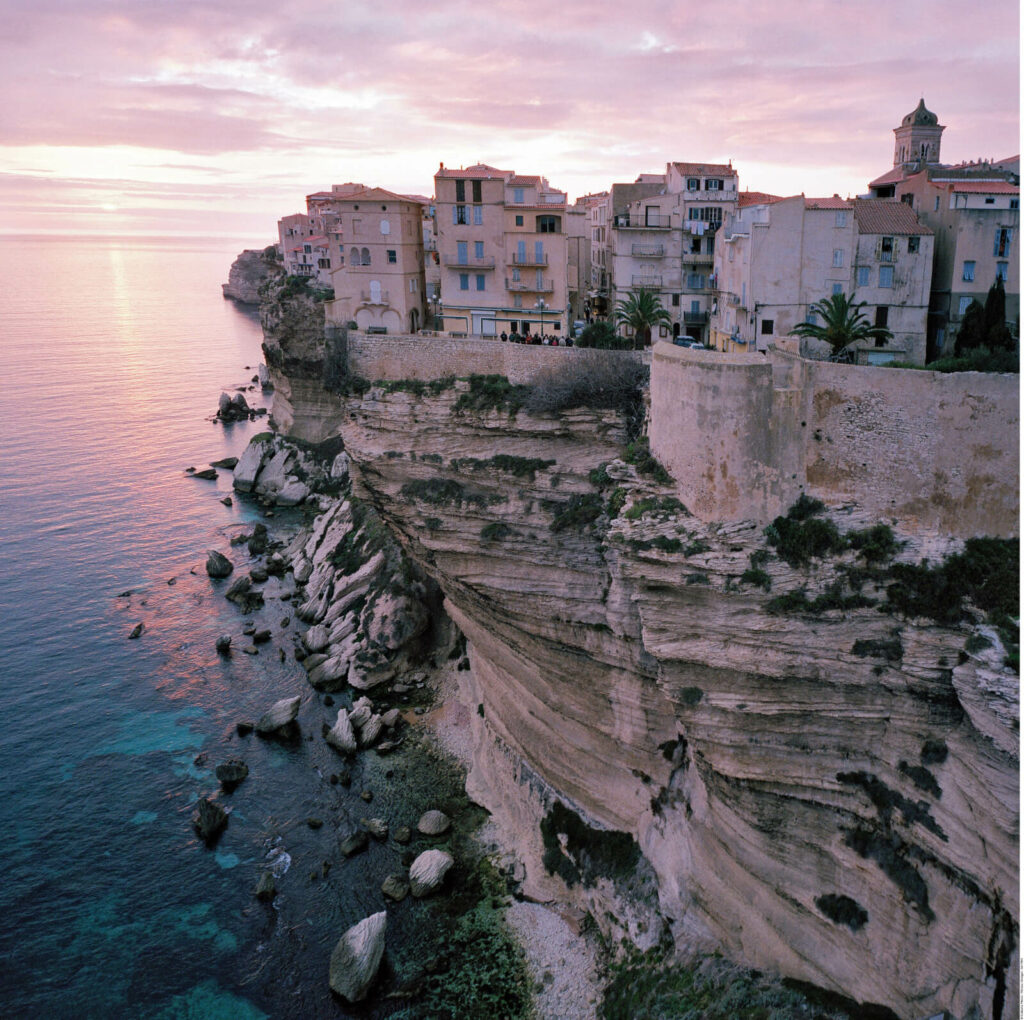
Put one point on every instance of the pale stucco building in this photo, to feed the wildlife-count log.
(503, 252)
(381, 286)
(778, 257)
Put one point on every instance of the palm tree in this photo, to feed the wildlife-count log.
(842, 325)
(641, 310)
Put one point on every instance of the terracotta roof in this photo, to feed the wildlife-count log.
(757, 198)
(967, 172)
(419, 199)
(719, 169)
(376, 195)
(887, 216)
(835, 202)
(321, 194)
(987, 187)
(520, 181)
(481, 171)
(893, 176)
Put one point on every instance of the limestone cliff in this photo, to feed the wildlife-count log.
(253, 268)
(679, 723)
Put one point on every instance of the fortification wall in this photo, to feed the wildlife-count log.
(744, 435)
(434, 357)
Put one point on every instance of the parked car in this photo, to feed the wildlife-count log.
(688, 341)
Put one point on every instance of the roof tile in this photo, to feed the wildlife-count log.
(887, 216)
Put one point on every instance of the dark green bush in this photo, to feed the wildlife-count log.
(874, 545)
(757, 577)
(491, 393)
(638, 453)
(579, 512)
(495, 531)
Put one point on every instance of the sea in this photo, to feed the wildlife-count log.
(115, 351)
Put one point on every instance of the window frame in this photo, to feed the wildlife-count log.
(886, 277)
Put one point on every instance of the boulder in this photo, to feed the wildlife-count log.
(274, 474)
(136, 631)
(316, 638)
(391, 718)
(249, 464)
(209, 474)
(217, 564)
(341, 736)
(395, 887)
(428, 870)
(209, 821)
(263, 375)
(361, 712)
(241, 594)
(257, 541)
(355, 843)
(339, 467)
(357, 956)
(231, 773)
(402, 834)
(224, 462)
(280, 715)
(370, 731)
(266, 889)
(224, 644)
(376, 827)
(292, 493)
(433, 823)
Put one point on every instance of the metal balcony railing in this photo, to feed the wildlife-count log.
(380, 298)
(649, 251)
(695, 318)
(652, 221)
(698, 258)
(531, 286)
(530, 260)
(468, 262)
(646, 281)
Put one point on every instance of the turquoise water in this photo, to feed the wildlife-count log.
(114, 354)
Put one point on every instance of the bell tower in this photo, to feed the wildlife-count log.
(917, 139)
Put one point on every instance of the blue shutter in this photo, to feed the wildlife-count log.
(455, 215)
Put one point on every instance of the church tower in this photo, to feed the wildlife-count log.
(917, 139)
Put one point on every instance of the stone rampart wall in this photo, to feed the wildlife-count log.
(434, 357)
(744, 435)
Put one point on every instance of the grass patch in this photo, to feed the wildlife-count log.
(521, 467)
(977, 359)
(757, 577)
(598, 477)
(417, 387)
(616, 501)
(444, 492)
(638, 453)
(491, 393)
(661, 542)
(495, 531)
(580, 512)
(833, 597)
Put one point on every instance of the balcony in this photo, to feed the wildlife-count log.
(652, 221)
(530, 286)
(454, 262)
(370, 298)
(696, 258)
(695, 318)
(649, 251)
(648, 282)
(530, 260)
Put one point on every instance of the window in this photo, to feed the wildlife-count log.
(837, 288)
(840, 217)
(413, 285)
(863, 276)
(1014, 203)
(385, 227)
(459, 215)
(392, 256)
(837, 257)
(516, 277)
(548, 224)
(936, 203)
(695, 245)
(477, 191)
(812, 317)
(713, 184)
(463, 281)
(462, 252)
(366, 256)
(517, 196)
(885, 276)
(907, 199)
(692, 184)
(695, 281)
(767, 327)
(1001, 249)
(478, 249)
(882, 316)
(913, 245)
(480, 278)
(460, 191)
(307, 249)
(1001, 270)
(675, 300)
(969, 271)
(519, 221)
(990, 201)
(355, 259)
(326, 264)
(478, 215)
(517, 300)
(964, 304)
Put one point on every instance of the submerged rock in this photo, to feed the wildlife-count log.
(433, 823)
(209, 474)
(357, 957)
(224, 644)
(376, 827)
(136, 631)
(355, 843)
(266, 889)
(428, 870)
(395, 887)
(218, 565)
(209, 821)
(231, 773)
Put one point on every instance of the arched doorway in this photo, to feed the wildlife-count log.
(414, 320)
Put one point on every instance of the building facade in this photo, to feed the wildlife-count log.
(381, 286)
(777, 258)
(503, 252)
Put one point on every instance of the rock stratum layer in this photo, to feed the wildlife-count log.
(811, 785)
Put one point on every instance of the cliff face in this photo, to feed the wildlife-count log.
(252, 269)
(811, 784)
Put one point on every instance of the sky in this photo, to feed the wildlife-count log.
(216, 119)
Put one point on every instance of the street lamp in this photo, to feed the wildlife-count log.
(435, 300)
(540, 306)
